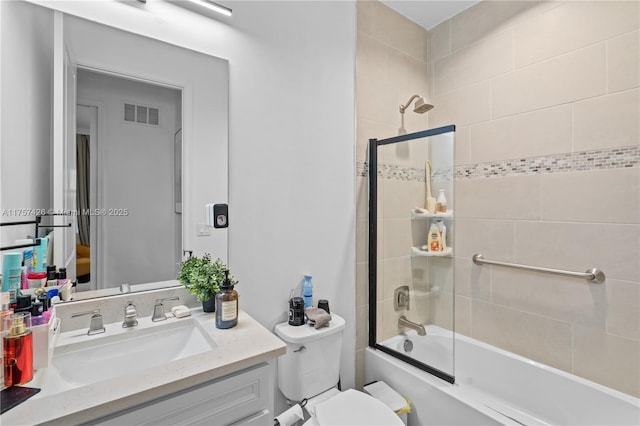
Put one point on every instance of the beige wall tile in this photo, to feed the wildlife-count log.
(368, 129)
(492, 238)
(441, 274)
(362, 328)
(399, 32)
(387, 325)
(572, 26)
(371, 59)
(364, 11)
(623, 62)
(362, 241)
(567, 78)
(409, 73)
(397, 272)
(411, 153)
(487, 58)
(376, 101)
(462, 145)
(401, 197)
(537, 133)
(541, 339)
(462, 107)
(623, 308)
(483, 19)
(577, 247)
(607, 121)
(607, 359)
(611, 196)
(561, 298)
(397, 238)
(362, 284)
(362, 198)
(508, 197)
(442, 309)
(420, 273)
(463, 315)
(472, 281)
(438, 41)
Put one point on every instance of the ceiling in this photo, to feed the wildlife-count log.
(429, 13)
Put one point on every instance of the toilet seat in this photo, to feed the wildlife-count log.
(355, 408)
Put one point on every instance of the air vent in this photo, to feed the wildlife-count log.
(141, 114)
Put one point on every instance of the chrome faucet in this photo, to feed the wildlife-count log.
(130, 315)
(404, 322)
(158, 309)
(95, 326)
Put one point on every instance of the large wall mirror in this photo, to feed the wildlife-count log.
(138, 145)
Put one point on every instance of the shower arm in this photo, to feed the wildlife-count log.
(404, 107)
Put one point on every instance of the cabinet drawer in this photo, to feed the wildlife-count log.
(222, 401)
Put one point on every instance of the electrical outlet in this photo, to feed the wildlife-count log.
(203, 230)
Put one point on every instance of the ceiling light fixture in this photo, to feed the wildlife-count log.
(213, 6)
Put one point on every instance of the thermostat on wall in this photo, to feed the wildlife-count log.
(218, 215)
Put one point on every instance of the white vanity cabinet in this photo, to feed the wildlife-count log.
(241, 398)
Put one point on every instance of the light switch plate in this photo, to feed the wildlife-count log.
(203, 230)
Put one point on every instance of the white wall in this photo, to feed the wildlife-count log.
(291, 155)
(25, 102)
(135, 162)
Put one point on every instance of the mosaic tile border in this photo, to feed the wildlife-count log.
(613, 158)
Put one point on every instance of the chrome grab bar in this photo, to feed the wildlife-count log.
(593, 275)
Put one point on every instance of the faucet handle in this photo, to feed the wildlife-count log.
(158, 309)
(130, 315)
(96, 325)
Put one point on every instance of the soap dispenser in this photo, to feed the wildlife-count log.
(226, 304)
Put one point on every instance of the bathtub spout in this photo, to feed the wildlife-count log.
(404, 322)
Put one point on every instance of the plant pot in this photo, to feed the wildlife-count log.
(209, 305)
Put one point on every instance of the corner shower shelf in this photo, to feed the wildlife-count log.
(416, 251)
(424, 214)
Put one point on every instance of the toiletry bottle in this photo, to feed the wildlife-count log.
(307, 292)
(36, 314)
(18, 349)
(62, 276)
(443, 234)
(40, 256)
(226, 304)
(52, 276)
(441, 203)
(434, 243)
(11, 274)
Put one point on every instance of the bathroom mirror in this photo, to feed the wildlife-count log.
(147, 206)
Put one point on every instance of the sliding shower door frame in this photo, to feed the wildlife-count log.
(373, 246)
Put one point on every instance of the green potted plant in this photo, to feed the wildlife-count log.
(203, 276)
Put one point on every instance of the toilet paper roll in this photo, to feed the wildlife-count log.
(291, 416)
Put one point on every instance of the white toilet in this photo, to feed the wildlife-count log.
(311, 368)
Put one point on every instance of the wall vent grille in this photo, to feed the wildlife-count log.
(141, 114)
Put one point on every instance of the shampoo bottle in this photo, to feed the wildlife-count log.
(434, 242)
(443, 234)
(441, 203)
(226, 304)
(40, 256)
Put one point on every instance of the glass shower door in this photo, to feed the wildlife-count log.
(411, 229)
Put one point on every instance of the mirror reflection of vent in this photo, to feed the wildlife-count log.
(141, 114)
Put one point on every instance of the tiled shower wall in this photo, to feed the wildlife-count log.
(546, 102)
(391, 66)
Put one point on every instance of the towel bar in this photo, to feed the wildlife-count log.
(593, 275)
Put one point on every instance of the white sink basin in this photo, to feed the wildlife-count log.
(80, 360)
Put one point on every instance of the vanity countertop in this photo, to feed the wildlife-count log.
(243, 346)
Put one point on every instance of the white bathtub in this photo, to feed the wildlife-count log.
(494, 387)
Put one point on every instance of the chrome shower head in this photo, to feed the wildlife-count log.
(421, 106)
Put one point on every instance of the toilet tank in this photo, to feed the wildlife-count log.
(312, 362)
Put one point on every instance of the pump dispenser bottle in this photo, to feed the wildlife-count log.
(226, 304)
(18, 349)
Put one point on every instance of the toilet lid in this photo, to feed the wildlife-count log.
(355, 408)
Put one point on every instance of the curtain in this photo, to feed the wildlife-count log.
(82, 165)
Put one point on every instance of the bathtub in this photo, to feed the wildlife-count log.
(493, 386)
